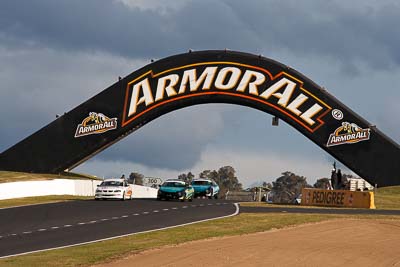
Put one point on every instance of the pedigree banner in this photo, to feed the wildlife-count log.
(337, 198)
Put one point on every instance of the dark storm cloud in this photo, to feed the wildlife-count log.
(174, 141)
(83, 25)
(348, 33)
(34, 86)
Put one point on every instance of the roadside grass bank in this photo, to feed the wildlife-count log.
(111, 250)
(8, 177)
(15, 202)
(388, 197)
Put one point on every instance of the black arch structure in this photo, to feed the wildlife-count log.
(208, 77)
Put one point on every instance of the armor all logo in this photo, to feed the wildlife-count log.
(95, 123)
(348, 133)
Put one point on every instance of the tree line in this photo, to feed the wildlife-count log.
(284, 189)
(289, 186)
(225, 177)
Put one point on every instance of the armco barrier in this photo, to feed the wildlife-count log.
(240, 196)
(63, 187)
(337, 198)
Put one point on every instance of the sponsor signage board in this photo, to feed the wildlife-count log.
(337, 198)
(348, 133)
(95, 123)
(149, 181)
(208, 77)
(282, 92)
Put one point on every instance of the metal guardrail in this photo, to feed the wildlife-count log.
(240, 196)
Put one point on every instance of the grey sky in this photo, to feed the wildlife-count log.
(56, 54)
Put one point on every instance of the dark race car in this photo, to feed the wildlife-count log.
(205, 187)
(175, 189)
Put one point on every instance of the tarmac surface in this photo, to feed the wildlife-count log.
(34, 228)
(41, 227)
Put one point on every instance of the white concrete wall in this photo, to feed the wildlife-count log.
(62, 187)
(139, 191)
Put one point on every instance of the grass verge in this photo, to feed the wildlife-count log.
(388, 197)
(38, 200)
(8, 177)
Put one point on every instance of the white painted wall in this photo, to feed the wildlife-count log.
(139, 191)
(63, 187)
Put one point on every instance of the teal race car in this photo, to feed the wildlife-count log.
(175, 189)
(205, 188)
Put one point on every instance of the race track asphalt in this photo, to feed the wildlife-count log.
(40, 227)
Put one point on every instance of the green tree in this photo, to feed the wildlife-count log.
(287, 187)
(136, 178)
(267, 185)
(225, 177)
(323, 183)
(205, 174)
(186, 177)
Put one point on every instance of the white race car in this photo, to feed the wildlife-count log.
(114, 189)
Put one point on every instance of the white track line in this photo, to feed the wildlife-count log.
(113, 218)
(143, 232)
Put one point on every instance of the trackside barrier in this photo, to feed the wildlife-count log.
(337, 198)
(240, 196)
(63, 187)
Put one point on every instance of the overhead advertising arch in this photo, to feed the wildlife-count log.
(208, 77)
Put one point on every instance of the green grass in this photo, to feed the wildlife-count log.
(7, 177)
(388, 198)
(38, 200)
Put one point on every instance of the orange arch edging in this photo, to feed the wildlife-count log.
(150, 72)
(124, 123)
